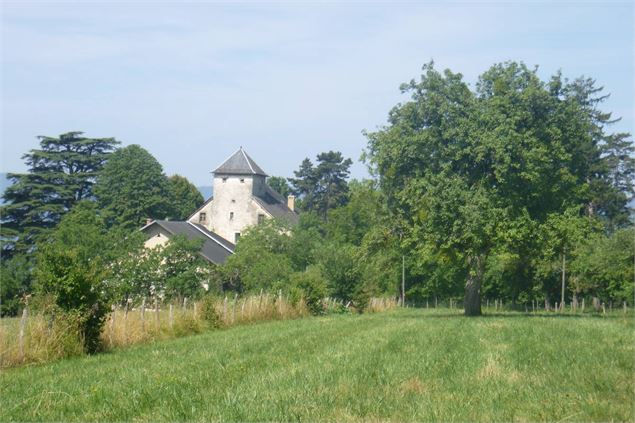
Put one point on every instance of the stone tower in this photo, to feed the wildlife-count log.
(241, 199)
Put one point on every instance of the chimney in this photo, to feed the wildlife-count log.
(291, 202)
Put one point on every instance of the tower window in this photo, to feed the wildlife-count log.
(261, 218)
(242, 180)
(231, 215)
(236, 237)
(224, 180)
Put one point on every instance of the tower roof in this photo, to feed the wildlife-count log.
(239, 163)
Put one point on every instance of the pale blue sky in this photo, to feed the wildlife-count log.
(191, 82)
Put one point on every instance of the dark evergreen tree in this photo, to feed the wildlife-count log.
(185, 198)
(60, 173)
(324, 186)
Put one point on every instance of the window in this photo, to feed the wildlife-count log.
(233, 201)
(202, 217)
(236, 237)
(231, 215)
(261, 218)
(242, 180)
(224, 180)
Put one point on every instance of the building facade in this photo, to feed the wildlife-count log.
(241, 198)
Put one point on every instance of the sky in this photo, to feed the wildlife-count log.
(191, 82)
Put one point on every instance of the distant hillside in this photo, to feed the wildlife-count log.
(206, 192)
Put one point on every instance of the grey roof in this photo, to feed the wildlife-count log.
(239, 164)
(215, 248)
(276, 205)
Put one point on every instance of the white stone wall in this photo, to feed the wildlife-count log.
(233, 196)
(156, 237)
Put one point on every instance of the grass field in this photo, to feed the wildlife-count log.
(402, 365)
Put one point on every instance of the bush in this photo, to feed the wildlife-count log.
(72, 268)
(313, 287)
(209, 313)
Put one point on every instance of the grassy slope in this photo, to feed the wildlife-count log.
(403, 365)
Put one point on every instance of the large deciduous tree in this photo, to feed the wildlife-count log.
(132, 188)
(474, 172)
(60, 173)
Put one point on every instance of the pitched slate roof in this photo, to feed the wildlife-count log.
(276, 205)
(239, 164)
(215, 248)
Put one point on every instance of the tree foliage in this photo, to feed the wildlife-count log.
(280, 185)
(473, 173)
(72, 266)
(60, 174)
(132, 188)
(184, 199)
(322, 187)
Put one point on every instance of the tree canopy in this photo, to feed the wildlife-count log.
(322, 187)
(475, 172)
(185, 198)
(132, 188)
(60, 173)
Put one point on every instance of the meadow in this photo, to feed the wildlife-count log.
(399, 365)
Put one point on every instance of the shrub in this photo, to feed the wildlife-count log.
(71, 267)
(313, 287)
(209, 313)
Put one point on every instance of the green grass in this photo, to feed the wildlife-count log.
(404, 365)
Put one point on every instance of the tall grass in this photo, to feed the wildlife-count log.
(46, 339)
(125, 328)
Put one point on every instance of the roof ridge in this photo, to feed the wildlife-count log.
(210, 237)
(247, 159)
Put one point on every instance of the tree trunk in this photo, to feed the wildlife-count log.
(472, 300)
(564, 272)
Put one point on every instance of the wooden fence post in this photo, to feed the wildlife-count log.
(125, 323)
(22, 329)
(171, 318)
(156, 310)
(624, 307)
(225, 309)
(583, 304)
(234, 308)
(260, 301)
(184, 304)
(143, 311)
(112, 323)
